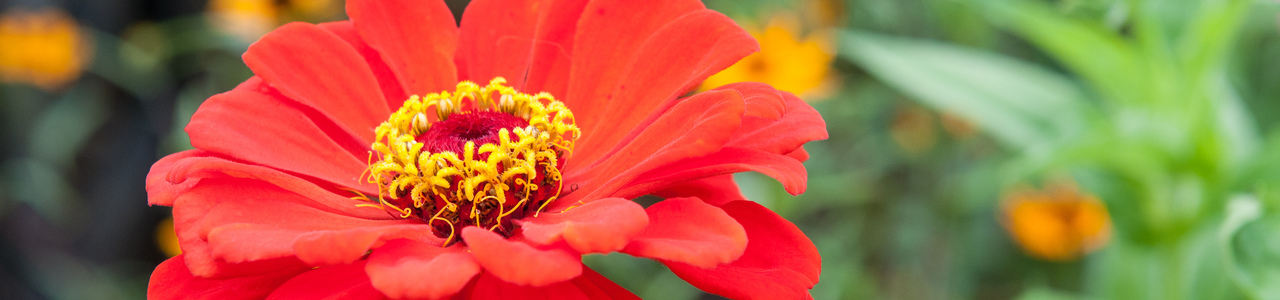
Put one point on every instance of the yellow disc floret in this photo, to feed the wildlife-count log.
(491, 155)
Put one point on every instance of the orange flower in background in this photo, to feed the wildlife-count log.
(1057, 224)
(245, 19)
(312, 9)
(250, 19)
(167, 239)
(44, 48)
(784, 61)
(400, 155)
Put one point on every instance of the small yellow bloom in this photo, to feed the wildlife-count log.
(167, 238)
(44, 48)
(246, 19)
(785, 62)
(1057, 224)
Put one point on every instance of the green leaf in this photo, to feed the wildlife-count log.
(1087, 47)
(1209, 38)
(1041, 292)
(1019, 103)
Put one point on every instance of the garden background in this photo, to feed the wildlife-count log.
(979, 149)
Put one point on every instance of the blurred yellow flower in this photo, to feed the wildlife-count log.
(785, 62)
(250, 19)
(44, 48)
(313, 10)
(167, 239)
(246, 19)
(1057, 224)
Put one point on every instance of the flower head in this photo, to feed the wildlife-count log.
(43, 48)
(400, 155)
(1058, 224)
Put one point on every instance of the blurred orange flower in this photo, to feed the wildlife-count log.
(784, 61)
(1059, 223)
(166, 238)
(312, 10)
(44, 48)
(250, 19)
(246, 19)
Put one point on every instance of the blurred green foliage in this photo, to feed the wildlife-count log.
(1141, 102)
(1166, 110)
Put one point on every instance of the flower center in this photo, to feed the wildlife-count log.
(481, 128)
(494, 156)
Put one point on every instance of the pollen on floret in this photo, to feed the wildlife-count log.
(493, 155)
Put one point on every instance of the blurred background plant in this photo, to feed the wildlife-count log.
(980, 149)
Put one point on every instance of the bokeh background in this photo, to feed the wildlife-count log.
(981, 149)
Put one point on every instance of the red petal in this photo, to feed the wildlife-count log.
(798, 123)
(601, 226)
(172, 280)
(761, 100)
(246, 220)
(387, 80)
(780, 261)
(341, 135)
(588, 286)
(412, 269)
(758, 145)
(787, 170)
(799, 154)
(190, 170)
(612, 32)
(270, 131)
(188, 221)
(596, 286)
(690, 44)
(328, 247)
(320, 69)
(690, 231)
(417, 40)
(715, 190)
(518, 38)
(190, 212)
(518, 262)
(694, 127)
(161, 191)
(336, 282)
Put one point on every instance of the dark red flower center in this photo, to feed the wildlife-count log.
(479, 127)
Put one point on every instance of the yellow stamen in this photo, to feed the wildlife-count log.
(482, 175)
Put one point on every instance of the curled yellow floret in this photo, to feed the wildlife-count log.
(486, 182)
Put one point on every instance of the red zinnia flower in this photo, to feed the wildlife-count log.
(318, 179)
